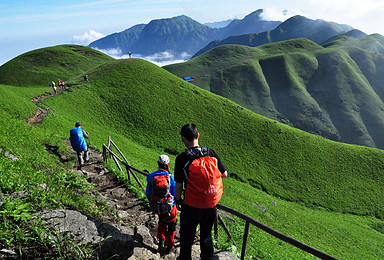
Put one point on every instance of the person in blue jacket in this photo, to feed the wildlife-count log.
(167, 221)
(79, 145)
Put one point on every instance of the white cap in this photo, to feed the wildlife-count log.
(163, 159)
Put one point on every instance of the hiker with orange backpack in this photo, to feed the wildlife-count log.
(160, 192)
(198, 176)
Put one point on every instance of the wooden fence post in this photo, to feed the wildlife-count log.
(245, 240)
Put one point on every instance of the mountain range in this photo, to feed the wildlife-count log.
(179, 35)
(297, 26)
(335, 90)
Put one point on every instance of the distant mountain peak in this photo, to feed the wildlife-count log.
(179, 35)
(255, 14)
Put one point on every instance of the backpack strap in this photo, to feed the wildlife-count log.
(192, 154)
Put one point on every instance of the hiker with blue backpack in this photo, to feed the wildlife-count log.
(77, 136)
(199, 187)
(160, 192)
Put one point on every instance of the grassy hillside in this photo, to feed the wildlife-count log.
(372, 43)
(335, 92)
(140, 102)
(40, 67)
(327, 194)
(36, 180)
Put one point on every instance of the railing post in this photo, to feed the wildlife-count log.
(245, 240)
(105, 156)
(227, 230)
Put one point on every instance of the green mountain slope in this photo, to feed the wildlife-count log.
(40, 67)
(372, 43)
(315, 181)
(137, 104)
(335, 92)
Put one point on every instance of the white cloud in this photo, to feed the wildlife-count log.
(278, 14)
(165, 58)
(87, 37)
(160, 58)
(362, 15)
(115, 53)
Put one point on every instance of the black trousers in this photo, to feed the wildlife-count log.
(190, 217)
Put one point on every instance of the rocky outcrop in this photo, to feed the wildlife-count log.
(119, 241)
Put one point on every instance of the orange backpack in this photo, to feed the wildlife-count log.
(204, 185)
(161, 198)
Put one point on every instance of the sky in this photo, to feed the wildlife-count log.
(27, 25)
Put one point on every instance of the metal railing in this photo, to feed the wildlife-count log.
(248, 220)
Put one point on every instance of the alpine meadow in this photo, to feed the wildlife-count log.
(324, 193)
(332, 90)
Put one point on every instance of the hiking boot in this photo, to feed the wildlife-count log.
(161, 247)
(170, 250)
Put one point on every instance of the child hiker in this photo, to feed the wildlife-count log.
(160, 192)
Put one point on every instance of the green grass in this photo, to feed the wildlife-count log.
(128, 103)
(335, 92)
(328, 194)
(40, 67)
(37, 176)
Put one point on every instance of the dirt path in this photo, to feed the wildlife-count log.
(41, 113)
(128, 207)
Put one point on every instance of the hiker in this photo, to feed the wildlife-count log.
(61, 84)
(86, 78)
(53, 87)
(160, 192)
(129, 53)
(79, 144)
(201, 194)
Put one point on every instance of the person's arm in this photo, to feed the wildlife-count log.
(85, 134)
(148, 189)
(220, 164)
(179, 190)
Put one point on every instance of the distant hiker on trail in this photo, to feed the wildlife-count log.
(61, 84)
(198, 173)
(86, 78)
(53, 87)
(129, 53)
(160, 192)
(79, 144)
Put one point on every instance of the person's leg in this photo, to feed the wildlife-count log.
(161, 230)
(80, 158)
(86, 155)
(206, 243)
(171, 228)
(161, 234)
(189, 218)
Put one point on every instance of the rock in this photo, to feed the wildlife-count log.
(88, 230)
(225, 255)
(8, 254)
(142, 235)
